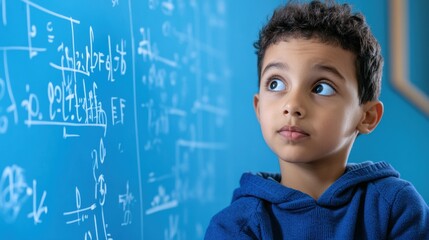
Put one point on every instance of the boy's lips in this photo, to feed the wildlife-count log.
(293, 133)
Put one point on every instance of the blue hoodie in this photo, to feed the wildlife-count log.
(368, 201)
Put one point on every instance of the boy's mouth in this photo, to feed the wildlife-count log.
(293, 133)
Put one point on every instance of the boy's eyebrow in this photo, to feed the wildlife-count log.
(278, 65)
(330, 69)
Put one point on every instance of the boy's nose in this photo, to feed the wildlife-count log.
(294, 111)
(294, 107)
(298, 112)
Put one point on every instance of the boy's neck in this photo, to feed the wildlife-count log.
(311, 178)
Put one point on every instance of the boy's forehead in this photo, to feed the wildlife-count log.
(311, 50)
(309, 54)
(304, 43)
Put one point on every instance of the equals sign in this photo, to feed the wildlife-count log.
(51, 38)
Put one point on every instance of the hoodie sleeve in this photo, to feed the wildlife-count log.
(238, 221)
(409, 215)
(222, 227)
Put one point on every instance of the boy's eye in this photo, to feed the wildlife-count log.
(324, 89)
(276, 85)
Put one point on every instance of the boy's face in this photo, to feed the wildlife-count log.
(308, 105)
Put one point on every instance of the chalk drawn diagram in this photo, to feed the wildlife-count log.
(15, 192)
(130, 101)
(94, 210)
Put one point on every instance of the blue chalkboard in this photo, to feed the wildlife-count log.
(114, 118)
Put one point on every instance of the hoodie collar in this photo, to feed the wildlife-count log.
(267, 186)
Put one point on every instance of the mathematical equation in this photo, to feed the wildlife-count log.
(71, 97)
(96, 209)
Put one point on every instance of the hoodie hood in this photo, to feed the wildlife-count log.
(267, 186)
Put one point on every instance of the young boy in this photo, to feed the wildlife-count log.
(319, 81)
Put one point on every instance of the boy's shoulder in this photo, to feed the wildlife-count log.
(375, 181)
(406, 210)
(400, 195)
(389, 188)
(381, 180)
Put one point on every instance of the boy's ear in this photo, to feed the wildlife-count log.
(256, 105)
(372, 113)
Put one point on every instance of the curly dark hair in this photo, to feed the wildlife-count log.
(330, 23)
